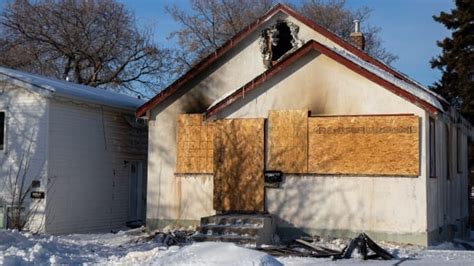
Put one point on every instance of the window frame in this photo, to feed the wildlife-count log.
(5, 129)
(448, 151)
(432, 147)
(3, 215)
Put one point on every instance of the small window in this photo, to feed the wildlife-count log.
(459, 150)
(432, 148)
(2, 131)
(35, 184)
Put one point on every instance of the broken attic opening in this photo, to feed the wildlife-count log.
(277, 41)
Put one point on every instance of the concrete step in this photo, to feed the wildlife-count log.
(242, 240)
(235, 219)
(255, 229)
(229, 230)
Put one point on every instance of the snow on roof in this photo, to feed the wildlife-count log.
(417, 90)
(75, 91)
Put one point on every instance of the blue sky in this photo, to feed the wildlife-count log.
(408, 29)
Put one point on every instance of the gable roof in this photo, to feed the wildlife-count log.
(401, 88)
(72, 90)
(207, 61)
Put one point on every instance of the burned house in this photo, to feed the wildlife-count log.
(289, 121)
(72, 157)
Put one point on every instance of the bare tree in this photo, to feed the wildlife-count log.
(16, 190)
(96, 43)
(212, 22)
(334, 16)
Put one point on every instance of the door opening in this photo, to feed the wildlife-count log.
(137, 194)
(239, 166)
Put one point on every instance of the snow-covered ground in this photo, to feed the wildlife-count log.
(136, 248)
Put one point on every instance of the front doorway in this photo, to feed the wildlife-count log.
(239, 166)
(137, 195)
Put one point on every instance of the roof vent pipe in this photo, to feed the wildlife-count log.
(356, 25)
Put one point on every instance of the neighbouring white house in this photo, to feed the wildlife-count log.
(290, 121)
(76, 153)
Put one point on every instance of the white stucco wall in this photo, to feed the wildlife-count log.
(26, 132)
(240, 65)
(344, 203)
(173, 197)
(166, 200)
(382, 204)
(389, 205)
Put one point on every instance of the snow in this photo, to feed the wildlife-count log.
(213, 253)
(72, 90)
(134, 247)
(130, 247)
(22, 248)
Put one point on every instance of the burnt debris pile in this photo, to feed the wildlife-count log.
(365, 247)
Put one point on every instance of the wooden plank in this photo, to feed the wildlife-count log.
(239, 165)
(288, 141)
(194, 139)
(364, 145)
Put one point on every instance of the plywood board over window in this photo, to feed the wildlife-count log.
(288, 141)
(364, 145)
(195, 145)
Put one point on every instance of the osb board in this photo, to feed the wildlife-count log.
(364, 145)
(288, 141)
(239, 165)
(195, 145)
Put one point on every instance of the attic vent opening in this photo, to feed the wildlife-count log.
(278, 40)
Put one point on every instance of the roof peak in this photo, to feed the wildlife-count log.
(236, 39)
(401, 88)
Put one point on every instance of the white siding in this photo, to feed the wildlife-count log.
(26, 137)
(90, 146)
(448, 198)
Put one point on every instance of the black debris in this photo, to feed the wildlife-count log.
(303, 248)
(174, 237)
(366, 247)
